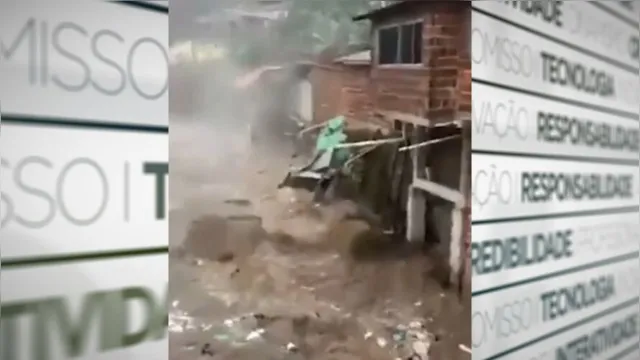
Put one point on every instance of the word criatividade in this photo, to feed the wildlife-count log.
(105, 314)
(598, 342)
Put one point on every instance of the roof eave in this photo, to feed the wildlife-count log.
(381, 11)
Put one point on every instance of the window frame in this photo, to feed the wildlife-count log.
(398, 25)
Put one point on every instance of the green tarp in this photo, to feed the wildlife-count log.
(332, 135)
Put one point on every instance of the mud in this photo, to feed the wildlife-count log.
(262, 273)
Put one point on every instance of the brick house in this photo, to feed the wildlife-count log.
(420, 65)
(421, 58)
(415, 77)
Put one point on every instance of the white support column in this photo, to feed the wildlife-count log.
(442, 191)
(457, 255)
(416, 208)
(416, 199)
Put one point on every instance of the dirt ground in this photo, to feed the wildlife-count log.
(262, 273)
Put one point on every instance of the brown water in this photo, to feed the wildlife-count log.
(261, 273)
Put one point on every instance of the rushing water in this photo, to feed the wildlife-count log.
(261, 273)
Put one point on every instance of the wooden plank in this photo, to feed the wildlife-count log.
(442, 191)
(402, 188)
(404, 117)
(416, 201)
(427, 143)
(459, 265)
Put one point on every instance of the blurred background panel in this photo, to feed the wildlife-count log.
(84, 150)
(556, 135)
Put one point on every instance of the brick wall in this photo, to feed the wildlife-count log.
(464, 63)
(341, 90)
(403, 90)
(355, 93)
(447, 52)
(326, 84)
(440, 88)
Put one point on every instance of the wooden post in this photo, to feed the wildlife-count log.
(458, 251)
(416, 201)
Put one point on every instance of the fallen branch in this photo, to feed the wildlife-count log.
(464, 348)
(312, 127)
(426, 143)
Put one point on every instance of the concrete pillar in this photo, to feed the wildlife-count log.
(416, 199)
(458, 253)
(416, 208)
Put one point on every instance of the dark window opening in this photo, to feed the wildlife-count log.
(417, 42)
(400, 44)
(388, 45)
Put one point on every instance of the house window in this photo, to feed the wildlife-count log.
(400, 44)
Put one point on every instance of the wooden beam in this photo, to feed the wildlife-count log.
(458, 251)
(442, 191)
(368, 143)
(404, 117)
(417, 201)
(465, 161)
(427, 143)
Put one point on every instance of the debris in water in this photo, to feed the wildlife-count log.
(238, 202)
(415, 325)
(189, 345)
(291, 347)
(226, 257)
(235, 272)
(245, 217)
(207, 350)
(399, 336)
(465, 348)
(256, 334)
(421, 349)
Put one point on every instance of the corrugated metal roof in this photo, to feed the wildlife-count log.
(249, 79)
(394, 5)
(359, 58)
(264, 14)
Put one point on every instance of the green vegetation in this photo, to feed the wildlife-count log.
(310, 27)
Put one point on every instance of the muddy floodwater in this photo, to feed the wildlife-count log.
(258, 272)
